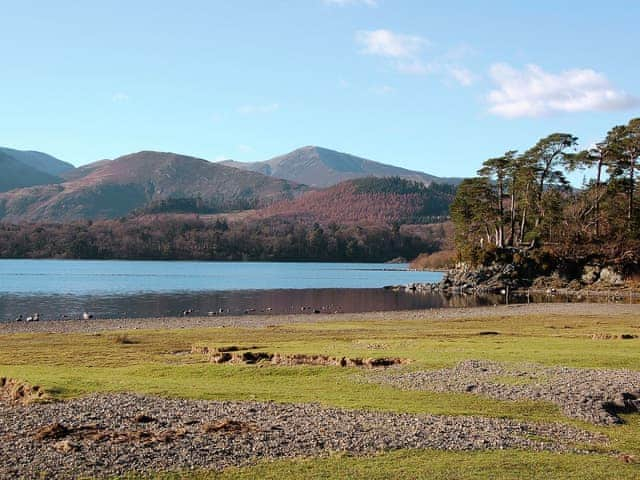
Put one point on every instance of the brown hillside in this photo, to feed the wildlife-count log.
(367, 201)
(115, 188)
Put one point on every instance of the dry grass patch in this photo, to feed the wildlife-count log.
(17, 391)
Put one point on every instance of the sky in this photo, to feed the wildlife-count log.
(427, 85)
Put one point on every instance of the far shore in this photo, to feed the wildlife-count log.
(269, 321)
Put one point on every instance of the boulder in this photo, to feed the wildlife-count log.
(590, 274)
(609, 276)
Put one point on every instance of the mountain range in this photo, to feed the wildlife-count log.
(321, 167)
(27, 168)
(37, 187)
(116, 188)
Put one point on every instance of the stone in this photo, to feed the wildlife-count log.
(590, 274)
(610, 277)
(66, 446)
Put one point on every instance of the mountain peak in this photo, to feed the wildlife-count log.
(322, 167)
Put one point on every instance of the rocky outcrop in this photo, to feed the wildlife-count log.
(494, 278)
(502, 277)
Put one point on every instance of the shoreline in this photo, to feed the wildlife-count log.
(269, 321)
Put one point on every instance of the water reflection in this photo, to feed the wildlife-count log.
(284, 301)
(52, 307)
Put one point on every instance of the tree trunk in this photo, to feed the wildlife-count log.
(500, 232)
(522, 224)
(598, 176)
(631, 189)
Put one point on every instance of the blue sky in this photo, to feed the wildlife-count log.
(433, 86)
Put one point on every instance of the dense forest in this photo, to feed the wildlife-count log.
(523, 204)
(180, 238)
(369, 201)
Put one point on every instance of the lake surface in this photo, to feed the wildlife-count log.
(115, 277)
(59, 289)
(66, 288)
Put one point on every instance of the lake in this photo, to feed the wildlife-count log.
(59, 289)
(66, 288)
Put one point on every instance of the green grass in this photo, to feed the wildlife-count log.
(159, 362)
(432, 465)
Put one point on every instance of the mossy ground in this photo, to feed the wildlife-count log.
(160, 362)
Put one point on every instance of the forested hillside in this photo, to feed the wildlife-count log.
(369, 201)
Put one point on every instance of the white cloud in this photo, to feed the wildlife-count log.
(221, 158)
(245, 148)
(342, 3)
(415, 67)
(382, 90)
(258, 109)
(405, 52)
(461, 75)
(119, 97)
(532, 92)
(386, 43)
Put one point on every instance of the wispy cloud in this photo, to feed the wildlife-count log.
(342, 3)
(258, 109)
(533, 92)
(382, 90)
(415, 67)
(245, 148)
(386, 43)
(461, 75)
(406, 54)
(119, 97)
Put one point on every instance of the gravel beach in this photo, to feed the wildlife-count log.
(590, 395)
(103, 435)
(261, 321)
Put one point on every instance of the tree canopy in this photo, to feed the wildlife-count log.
(524, 200)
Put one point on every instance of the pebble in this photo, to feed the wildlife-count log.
(590, 395)
(101, 437)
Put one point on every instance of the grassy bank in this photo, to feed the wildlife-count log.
(159, 362)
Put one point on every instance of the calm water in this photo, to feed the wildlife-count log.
(106, 277)
(59, 288)
(111, 289)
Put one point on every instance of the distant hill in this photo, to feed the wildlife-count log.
(115, 188)
(368, 201)
(321, 167)
(39, 161)
(17, 174)
(83, 170)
